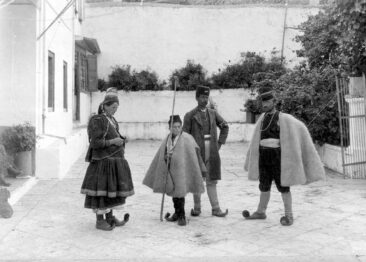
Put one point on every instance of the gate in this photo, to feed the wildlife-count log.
(352, 122)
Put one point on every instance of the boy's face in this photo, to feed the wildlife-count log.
(202, 101)
(177, 128)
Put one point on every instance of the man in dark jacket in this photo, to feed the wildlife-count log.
(202, 124)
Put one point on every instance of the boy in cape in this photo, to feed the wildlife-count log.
(177, 169)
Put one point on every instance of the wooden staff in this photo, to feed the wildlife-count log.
(168, 160)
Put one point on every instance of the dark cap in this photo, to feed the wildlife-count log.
(265, 93)
(176, 118)
(202, 90)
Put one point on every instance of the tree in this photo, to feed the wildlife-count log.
(309, 95)
(336, 37)
(123, 78)
(189, 76)
(253, 67)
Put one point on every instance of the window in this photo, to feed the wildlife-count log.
(92, 73)
(83, 72)
(65, 86)
(51, 81)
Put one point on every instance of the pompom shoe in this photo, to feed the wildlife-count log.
(287, 221)
(195, 212)
(112, 220)
(218, 213)
(172, 218)
(102, 224)
(255, 215)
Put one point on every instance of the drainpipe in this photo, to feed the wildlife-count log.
(72, 67)
(43, 57)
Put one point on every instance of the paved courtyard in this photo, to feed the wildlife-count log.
(50, 223)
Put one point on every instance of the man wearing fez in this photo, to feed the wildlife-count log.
(281, 150)
(177, 169)
(202, 124)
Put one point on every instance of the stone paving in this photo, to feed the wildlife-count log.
(50, 222)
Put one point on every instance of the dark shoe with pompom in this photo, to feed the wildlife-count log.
(255, 215)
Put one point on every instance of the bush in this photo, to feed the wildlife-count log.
(251, 68)
(336, 37)
(19, 138)
(146, 80)
(310, 95)
(253, 105)
(189, 77)
(123, 78)
(102, 85)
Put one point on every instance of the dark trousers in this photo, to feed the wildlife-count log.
(270, 169)
(179, 206)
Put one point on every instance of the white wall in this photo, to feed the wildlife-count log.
(17, 63)
(61, 145)
(55, 156)
(149, 106)
(85, 108)
(164, 37)
(331, 157)
(59, 39)
(144, 114)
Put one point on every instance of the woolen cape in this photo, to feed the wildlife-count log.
(186, 169)
(300, 162)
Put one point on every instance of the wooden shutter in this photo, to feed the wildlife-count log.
(92, 73)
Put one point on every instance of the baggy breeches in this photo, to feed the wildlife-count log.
(270, 169)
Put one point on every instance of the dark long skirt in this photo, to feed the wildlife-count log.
(107, 183)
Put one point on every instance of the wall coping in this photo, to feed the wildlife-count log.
(149, 4)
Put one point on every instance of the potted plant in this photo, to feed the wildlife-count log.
(253, 108)
(20, 140)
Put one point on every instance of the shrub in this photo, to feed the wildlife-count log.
(253, 105)
(102, 85)
(123, 78)
(19, 138)
(251, 68)
(336, 37)
(189, 76)
(310, 95)
(146, 80)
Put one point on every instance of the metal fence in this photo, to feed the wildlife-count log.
(352, 121)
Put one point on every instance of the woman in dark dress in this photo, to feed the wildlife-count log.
(107, 181)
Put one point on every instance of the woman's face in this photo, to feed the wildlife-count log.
(110, 110)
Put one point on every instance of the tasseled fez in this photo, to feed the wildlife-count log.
(202, 90)
(265, 93)
(176, 118)
(111, 95)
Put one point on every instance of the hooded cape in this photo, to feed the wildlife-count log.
(300, 162)
(186, 169)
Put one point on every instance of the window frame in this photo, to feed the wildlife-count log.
(51, 81)
(65, 86)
